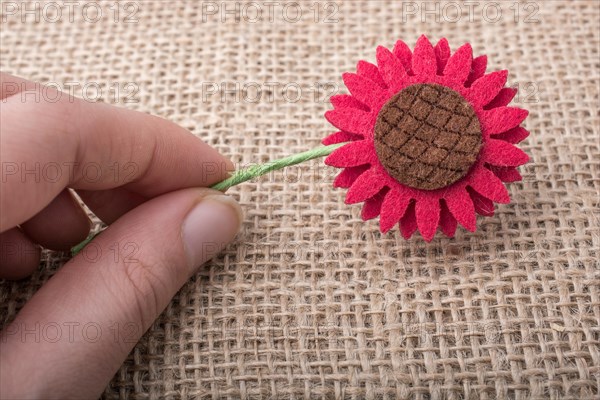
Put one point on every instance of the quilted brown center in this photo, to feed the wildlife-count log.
(427, 136)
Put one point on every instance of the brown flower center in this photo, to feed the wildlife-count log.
(427, 136)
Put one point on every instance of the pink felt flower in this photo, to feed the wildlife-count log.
(431, 139)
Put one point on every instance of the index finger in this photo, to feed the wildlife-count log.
(55, 141)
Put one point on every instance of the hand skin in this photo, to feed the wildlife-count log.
(142, 175)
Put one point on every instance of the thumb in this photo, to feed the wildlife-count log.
(78, 328)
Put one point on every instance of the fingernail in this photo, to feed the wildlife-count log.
(209, 227)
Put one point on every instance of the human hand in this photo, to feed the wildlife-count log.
(140, 174)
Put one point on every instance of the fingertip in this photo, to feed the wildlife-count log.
(209, 226)
(191, 161)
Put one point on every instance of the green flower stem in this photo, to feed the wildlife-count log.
(255, 171)
(76, 249)
(249, 173)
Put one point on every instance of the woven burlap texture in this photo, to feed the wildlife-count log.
(310, 301)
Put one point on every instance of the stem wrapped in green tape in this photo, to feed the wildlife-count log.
(255, 171)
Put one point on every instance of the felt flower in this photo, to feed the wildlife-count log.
(430, 138)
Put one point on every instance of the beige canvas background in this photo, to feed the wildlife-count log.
(309, 301)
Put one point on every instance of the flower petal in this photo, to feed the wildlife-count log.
(427, 211)
(370, 71)
(503, 98)
(393, 209)
(490, 186)
(408, 222)
(506, 174)
(477, 69)
(351, 120)
(347, 101)
(486, 88)
(352, 154)
(459, 65)
(364, 187)
(365, 90)
(442, 54)
(462, 208)
(483, 206)
(346, 178)
(391, 69)
(514, 135)
(501, 119)
(504, 154)
(340, 137)
(424, 63)
(403, 53)
(372, 206)
(447, 221)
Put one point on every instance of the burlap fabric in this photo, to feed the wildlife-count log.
(310, 301)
